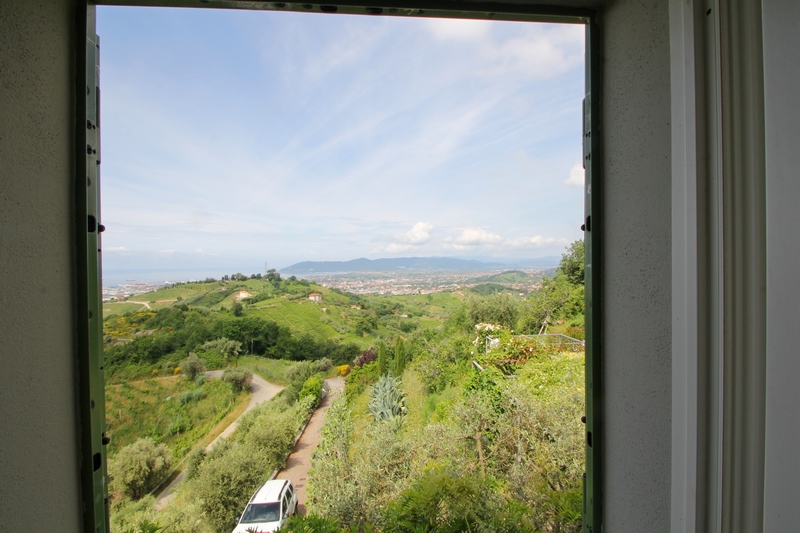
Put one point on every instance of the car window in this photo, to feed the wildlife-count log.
(261, 512)
(286, 501)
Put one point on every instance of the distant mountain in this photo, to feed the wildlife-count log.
(397, 264)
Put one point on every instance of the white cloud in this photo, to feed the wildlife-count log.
(477, 237)
(575, 176)
(535, 242)
(418, 235)
(116, 249)
(458, 30)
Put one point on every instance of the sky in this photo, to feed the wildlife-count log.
(235, 140)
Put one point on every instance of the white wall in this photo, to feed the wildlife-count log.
(40, 488)
(635, 137)
(781, 20)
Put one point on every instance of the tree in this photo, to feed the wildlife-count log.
(239, 378)
(192, 366)
(383, 364)
(229, 349)
(573, 262)
(238, 309)
(399, 357)
(138, 467)
(497, 308)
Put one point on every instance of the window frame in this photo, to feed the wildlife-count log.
(91, 402)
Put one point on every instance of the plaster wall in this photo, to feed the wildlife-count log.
(38, 448)
(781, 19)
(636, 146)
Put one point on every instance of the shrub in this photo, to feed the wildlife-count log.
(189, 396)
(224, 483)
(300, 372)
(192, 366)
(180, 424)
(366, 357)
(312, 388)
(138, 467)
(360, 377)
(194, 460)
(239, 378)
(343, 370)
(200, 380)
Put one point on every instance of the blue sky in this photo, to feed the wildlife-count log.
(234, 138)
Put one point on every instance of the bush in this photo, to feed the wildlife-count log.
(360, 377)
(239, 378)
(138, 467)
(189, 396)
(312, 388)
(192, 366)
(193, 461)
(366, 357)
(343, 370)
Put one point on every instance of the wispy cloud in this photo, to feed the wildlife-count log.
(300, 137)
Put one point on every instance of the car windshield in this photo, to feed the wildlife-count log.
(261, 512)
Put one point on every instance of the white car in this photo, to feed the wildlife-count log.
(269, 508)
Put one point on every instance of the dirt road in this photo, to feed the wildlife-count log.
(299, 462)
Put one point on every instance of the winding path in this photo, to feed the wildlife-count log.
(260, 392)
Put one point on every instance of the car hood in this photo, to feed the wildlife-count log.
(259, 527)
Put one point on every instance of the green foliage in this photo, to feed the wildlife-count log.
(189, 396)
(441, 502)
(193, 461)
(399, 357)
(192, 366)
(239, 378)
(383, 363)
(353, 489)
(228, 476)
(360, 377)
(137, 468)
(312, 388)
(387, 401)
(572, 263)
(223, 347)
(314, 524)
(557, 299)
(181, 423)
(494, 309)
(150, 407)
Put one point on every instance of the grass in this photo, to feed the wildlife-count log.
(148, 408)
(302, 316)
(120, 308)
(272, 370)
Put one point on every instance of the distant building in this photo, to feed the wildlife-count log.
(315, 297)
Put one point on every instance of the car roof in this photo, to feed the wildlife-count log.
(270, 491)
